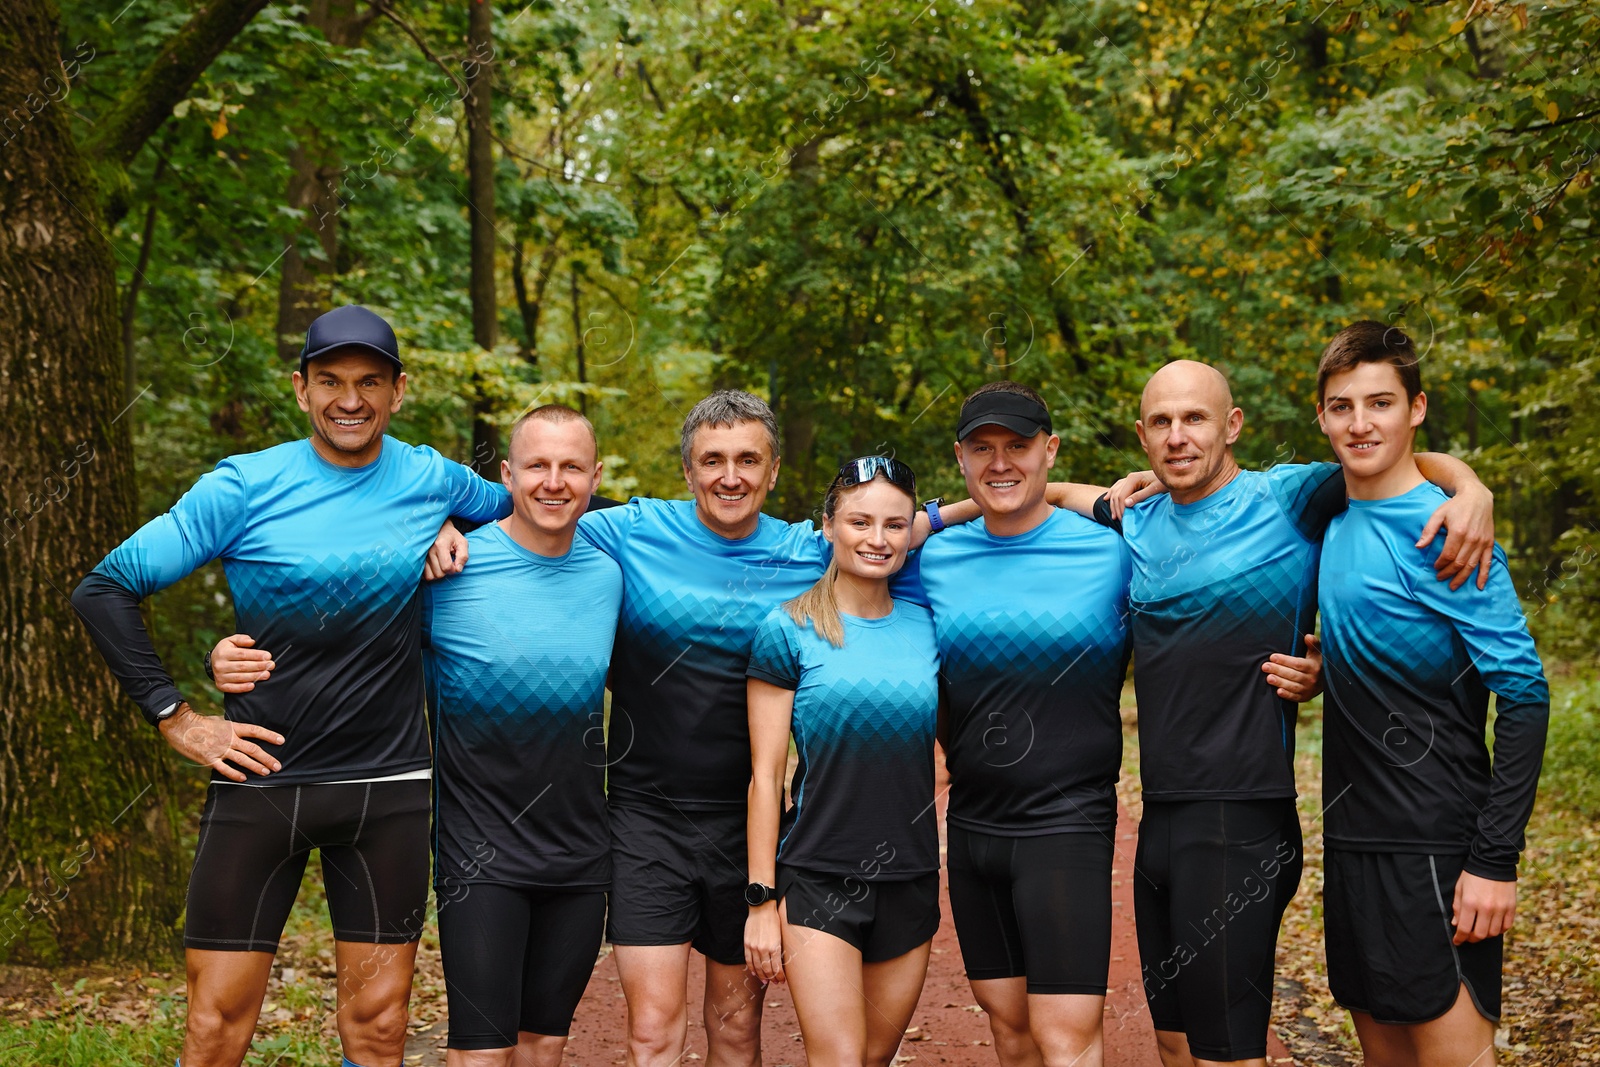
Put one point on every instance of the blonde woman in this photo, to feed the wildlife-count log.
(844, 894)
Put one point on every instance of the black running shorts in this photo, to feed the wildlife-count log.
(516, 959)
(1038, 907)
(254, 841)
(1211, 879)
(882, 920)
(679, 877)
(1387, 917)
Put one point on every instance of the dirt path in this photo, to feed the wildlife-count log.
(948, 1027)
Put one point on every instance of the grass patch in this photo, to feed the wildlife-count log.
(1570, 784)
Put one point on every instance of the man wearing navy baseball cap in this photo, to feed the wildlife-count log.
(1030, 606)
(323, 747)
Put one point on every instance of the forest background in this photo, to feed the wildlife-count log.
(860, 210)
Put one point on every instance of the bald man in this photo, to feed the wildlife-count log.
(1223, 601)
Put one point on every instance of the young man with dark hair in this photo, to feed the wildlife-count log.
(1223, 599)
(323, 542)
(1030, 610)
(1423, 828)
(516, 650)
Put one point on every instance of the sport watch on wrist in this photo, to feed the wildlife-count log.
(756, 894)
(210, 673)
(932, 508)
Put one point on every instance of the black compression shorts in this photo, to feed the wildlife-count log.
(679, 877)
(1387, 916)
(254, 841)
(516, 959)
(882, 920)
(1211, 880)
(1038, 907)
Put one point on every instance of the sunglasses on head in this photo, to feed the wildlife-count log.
(863, 470)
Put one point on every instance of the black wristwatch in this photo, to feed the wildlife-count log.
(209, 672)
(756, 894)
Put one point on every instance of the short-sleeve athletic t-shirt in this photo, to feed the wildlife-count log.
(1033, 638)
(324, 563)
(691, 603)
(516, 649)
(1218, 586)
(692, 600)
(1409, 666)
(863, 725)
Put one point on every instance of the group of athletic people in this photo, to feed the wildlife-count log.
(1001, 626)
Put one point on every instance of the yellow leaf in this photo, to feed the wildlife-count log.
(1551, 111)
(1457, 26)
(1538, 223)
(219, 129)
(1416, 187)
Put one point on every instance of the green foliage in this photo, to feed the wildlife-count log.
(865, 210)
(1568, 785)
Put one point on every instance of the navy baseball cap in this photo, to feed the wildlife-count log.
(1015, 412)
(351, 326)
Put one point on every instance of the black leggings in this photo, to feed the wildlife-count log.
(254, 841)
(1211, 880)
(517, 959)
(1038, 907)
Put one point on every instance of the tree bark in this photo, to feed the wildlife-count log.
(479, 70)
(89, 859)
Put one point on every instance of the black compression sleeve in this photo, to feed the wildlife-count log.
(1102, 513)
(1519, 735)
(112, 615)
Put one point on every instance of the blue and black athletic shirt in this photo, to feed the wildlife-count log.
(1409, 666)
(324, 563)
(1218, 586)
(1033, 638)
(863, 725)
(691, 602)
(516, 649)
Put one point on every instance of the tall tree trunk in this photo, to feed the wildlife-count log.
(530, 304)
(577, 338)
(89, 859)
(479, 69)
(130, 297)
(315, 170)
(1035, 248)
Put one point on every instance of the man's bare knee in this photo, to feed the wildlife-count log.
(657, 1028)
(375, 1025)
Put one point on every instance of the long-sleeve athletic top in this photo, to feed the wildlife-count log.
(516, 649)
(1409, 665)
(1033, 638)
(863, 725)
(323, 562)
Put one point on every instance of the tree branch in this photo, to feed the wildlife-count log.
(145, 105)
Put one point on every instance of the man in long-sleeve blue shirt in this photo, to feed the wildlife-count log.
(1423, 828)
(323, 542)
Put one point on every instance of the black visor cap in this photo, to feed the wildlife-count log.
(1012, 411)
(351, 326)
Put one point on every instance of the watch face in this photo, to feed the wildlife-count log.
(755, 894)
